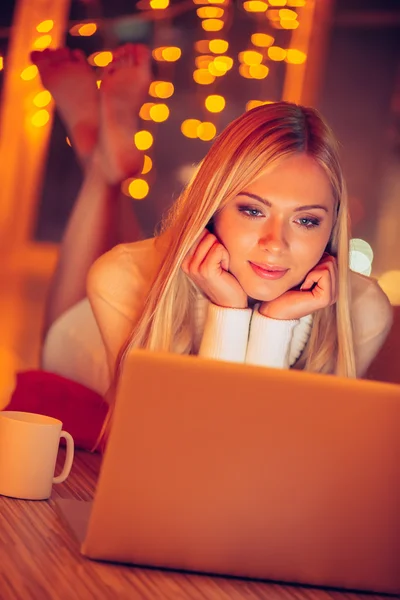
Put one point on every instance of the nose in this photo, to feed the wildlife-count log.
(273, 238)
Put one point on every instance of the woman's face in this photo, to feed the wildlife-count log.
(277, 229)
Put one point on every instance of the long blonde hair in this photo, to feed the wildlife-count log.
(239, 155)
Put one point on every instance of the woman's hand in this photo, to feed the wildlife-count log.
(318, 290)
(207, 265)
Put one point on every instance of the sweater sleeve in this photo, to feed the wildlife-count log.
(226, 333)
(269, 341)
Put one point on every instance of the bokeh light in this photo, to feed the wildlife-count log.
(203, 61)
(276, 53)
(277, 2)
(42, 99)
(250, 57)
(87, 29)
(101, 59)
(360, 263)
(255, 6)
(159, 4)
(189, 128)
(138, 189)
(258, 71)
(42, 42)
(203, 76)
(359, 245)
(223, 63)
(262, 40)
(255, 103)
(202, 46)
(45, 26)
(206, 131)
(212, 24)
(159, 112)
(147, 165)
(218, 46)
(210, 12)
(161, 89)
(215, 103)
(390, 283)
(171, 54)
(143, 140)
(295, 57)
(40, 118)
(29, 73)
(144, 112)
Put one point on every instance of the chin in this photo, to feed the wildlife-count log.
(264, 295)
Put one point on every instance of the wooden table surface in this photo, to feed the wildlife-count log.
(40, 559)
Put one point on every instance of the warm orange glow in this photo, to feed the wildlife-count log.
(212, 25)
(159, 4)
(277, 2)
(68, 141)
(206, 131)
(40, 118)
(215, 103)
(217, 69)
(223, 63)
(42, 99)
(101, 59)
(171, 53)
(255, 103)
(210, 12)
(203, 61)
(144, 112)
(159, 112)
(258, 71)
(218, 46)
(1, 63)
(45, 26)
(250, 57)
(273, 15)
(390, 283)
(296, 3)
(287, 15)
(276, 53)
(255, 6)
(87, 29)
(42, 42)
(289, 24)
(161, 89)
(202, 46)
(189, 128)
(147, 165)
(98, 83)
(29, 73)
(203, 76)
(296, 57)
(262, 40)
(244, 71)
(143, 140)
(138, 189)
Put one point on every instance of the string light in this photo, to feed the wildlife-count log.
(147, 165)
(45, 26)
(159, 113)
(100, 59)
(258, 71)
(217, 46)
(203, 77)
(262, 40)
(42, 42)
(215, 103)
(144, 112)
(210, 12)
(250, 57)
(42, 99)
(189, 128)
(202, 46)
(138, 189)
(276, 53)
(143, 140)
(40, 118)
(29, 73)
(255, 6)
(295, 57)
(161, 89)
(212, 24)
(159, 4)
(206, 131)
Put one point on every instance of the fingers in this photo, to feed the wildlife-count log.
(324, 279)
(187, 260)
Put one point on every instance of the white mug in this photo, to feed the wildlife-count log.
(28, 453)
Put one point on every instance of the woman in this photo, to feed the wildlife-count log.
(252, 262)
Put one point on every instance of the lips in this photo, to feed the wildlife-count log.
(268, 271)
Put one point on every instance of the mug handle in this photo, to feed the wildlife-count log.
(68, 459)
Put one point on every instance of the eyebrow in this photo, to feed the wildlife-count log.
(268, 203)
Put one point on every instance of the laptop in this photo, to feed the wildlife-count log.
(240, 470)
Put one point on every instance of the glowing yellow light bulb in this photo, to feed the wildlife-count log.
(250, 57)
(144, 112)
(159, 112)
(262, 40)
(161, 89)
(255, 6)
(202, 46)
(218, 46)
(147, 165)
(203, 76)
(42, 99)
(29, 73)
(40, 118)
(143, 140)
(189, 128)
(102, 59)
(87, 29)
(159, 4)
(138, 189)
(42, 42)
(206, 131)
(45, 26)
(258, 71)
(210, 12)
(215, 103)
(171, 54)
(212, 24)
(295, 57)
(276, 53)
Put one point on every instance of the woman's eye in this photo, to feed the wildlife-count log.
(253, 213)
(308, 222)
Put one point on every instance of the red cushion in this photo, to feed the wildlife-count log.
(81, 410)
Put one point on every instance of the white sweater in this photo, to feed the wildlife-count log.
(81, 342)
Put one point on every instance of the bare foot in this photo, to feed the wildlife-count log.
(124, 87)
(72, 83)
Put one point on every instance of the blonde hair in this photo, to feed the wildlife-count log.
(239, 155)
